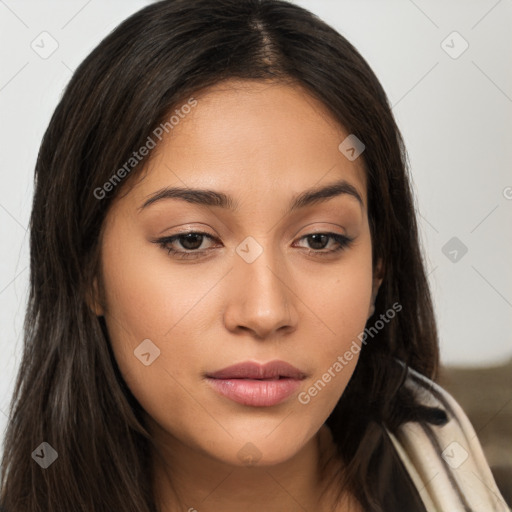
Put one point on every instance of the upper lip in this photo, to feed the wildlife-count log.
(253, 370)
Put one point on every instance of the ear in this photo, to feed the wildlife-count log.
(378, 277)
(94, 299)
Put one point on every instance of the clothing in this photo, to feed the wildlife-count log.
(428, 468)
(446, 463)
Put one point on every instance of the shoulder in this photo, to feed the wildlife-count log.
(445, 462)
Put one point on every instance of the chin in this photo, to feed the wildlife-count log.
(260, 450)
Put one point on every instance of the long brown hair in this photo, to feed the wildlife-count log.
(69, 391)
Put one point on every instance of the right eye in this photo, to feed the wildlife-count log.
(190, 243)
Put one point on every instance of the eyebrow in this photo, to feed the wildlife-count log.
(206, 197)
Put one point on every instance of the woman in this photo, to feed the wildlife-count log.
(228, 306)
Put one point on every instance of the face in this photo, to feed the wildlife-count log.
(264, 273)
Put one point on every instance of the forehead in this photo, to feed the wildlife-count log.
(249, 137)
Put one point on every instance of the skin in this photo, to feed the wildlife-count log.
(263, 143)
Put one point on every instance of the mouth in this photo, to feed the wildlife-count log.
(257, 385)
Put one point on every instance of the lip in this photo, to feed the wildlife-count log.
(257, 385)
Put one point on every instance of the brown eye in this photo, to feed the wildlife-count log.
(316, 242)
(191, 241)
(186, 245)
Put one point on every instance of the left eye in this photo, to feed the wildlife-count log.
(192, 241)
(319, 241)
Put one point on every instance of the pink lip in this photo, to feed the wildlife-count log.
(257, 385)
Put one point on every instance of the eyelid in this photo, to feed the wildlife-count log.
(342, 242)
(176, 236)
(165, 241)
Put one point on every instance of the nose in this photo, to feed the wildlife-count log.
(261, 300)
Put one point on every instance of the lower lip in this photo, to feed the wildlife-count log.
(256, 393)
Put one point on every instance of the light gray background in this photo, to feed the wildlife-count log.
(455, 115)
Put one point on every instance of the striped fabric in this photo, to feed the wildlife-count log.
(428, 468)
(446, 463)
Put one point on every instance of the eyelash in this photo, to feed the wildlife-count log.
(342, 241)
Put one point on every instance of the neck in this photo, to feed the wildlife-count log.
(185, 479)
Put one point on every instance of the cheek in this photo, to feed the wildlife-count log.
(174, 307)
(341, 296)
(341, 306)
(147, 296)
(154, 334)
(157, 314)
